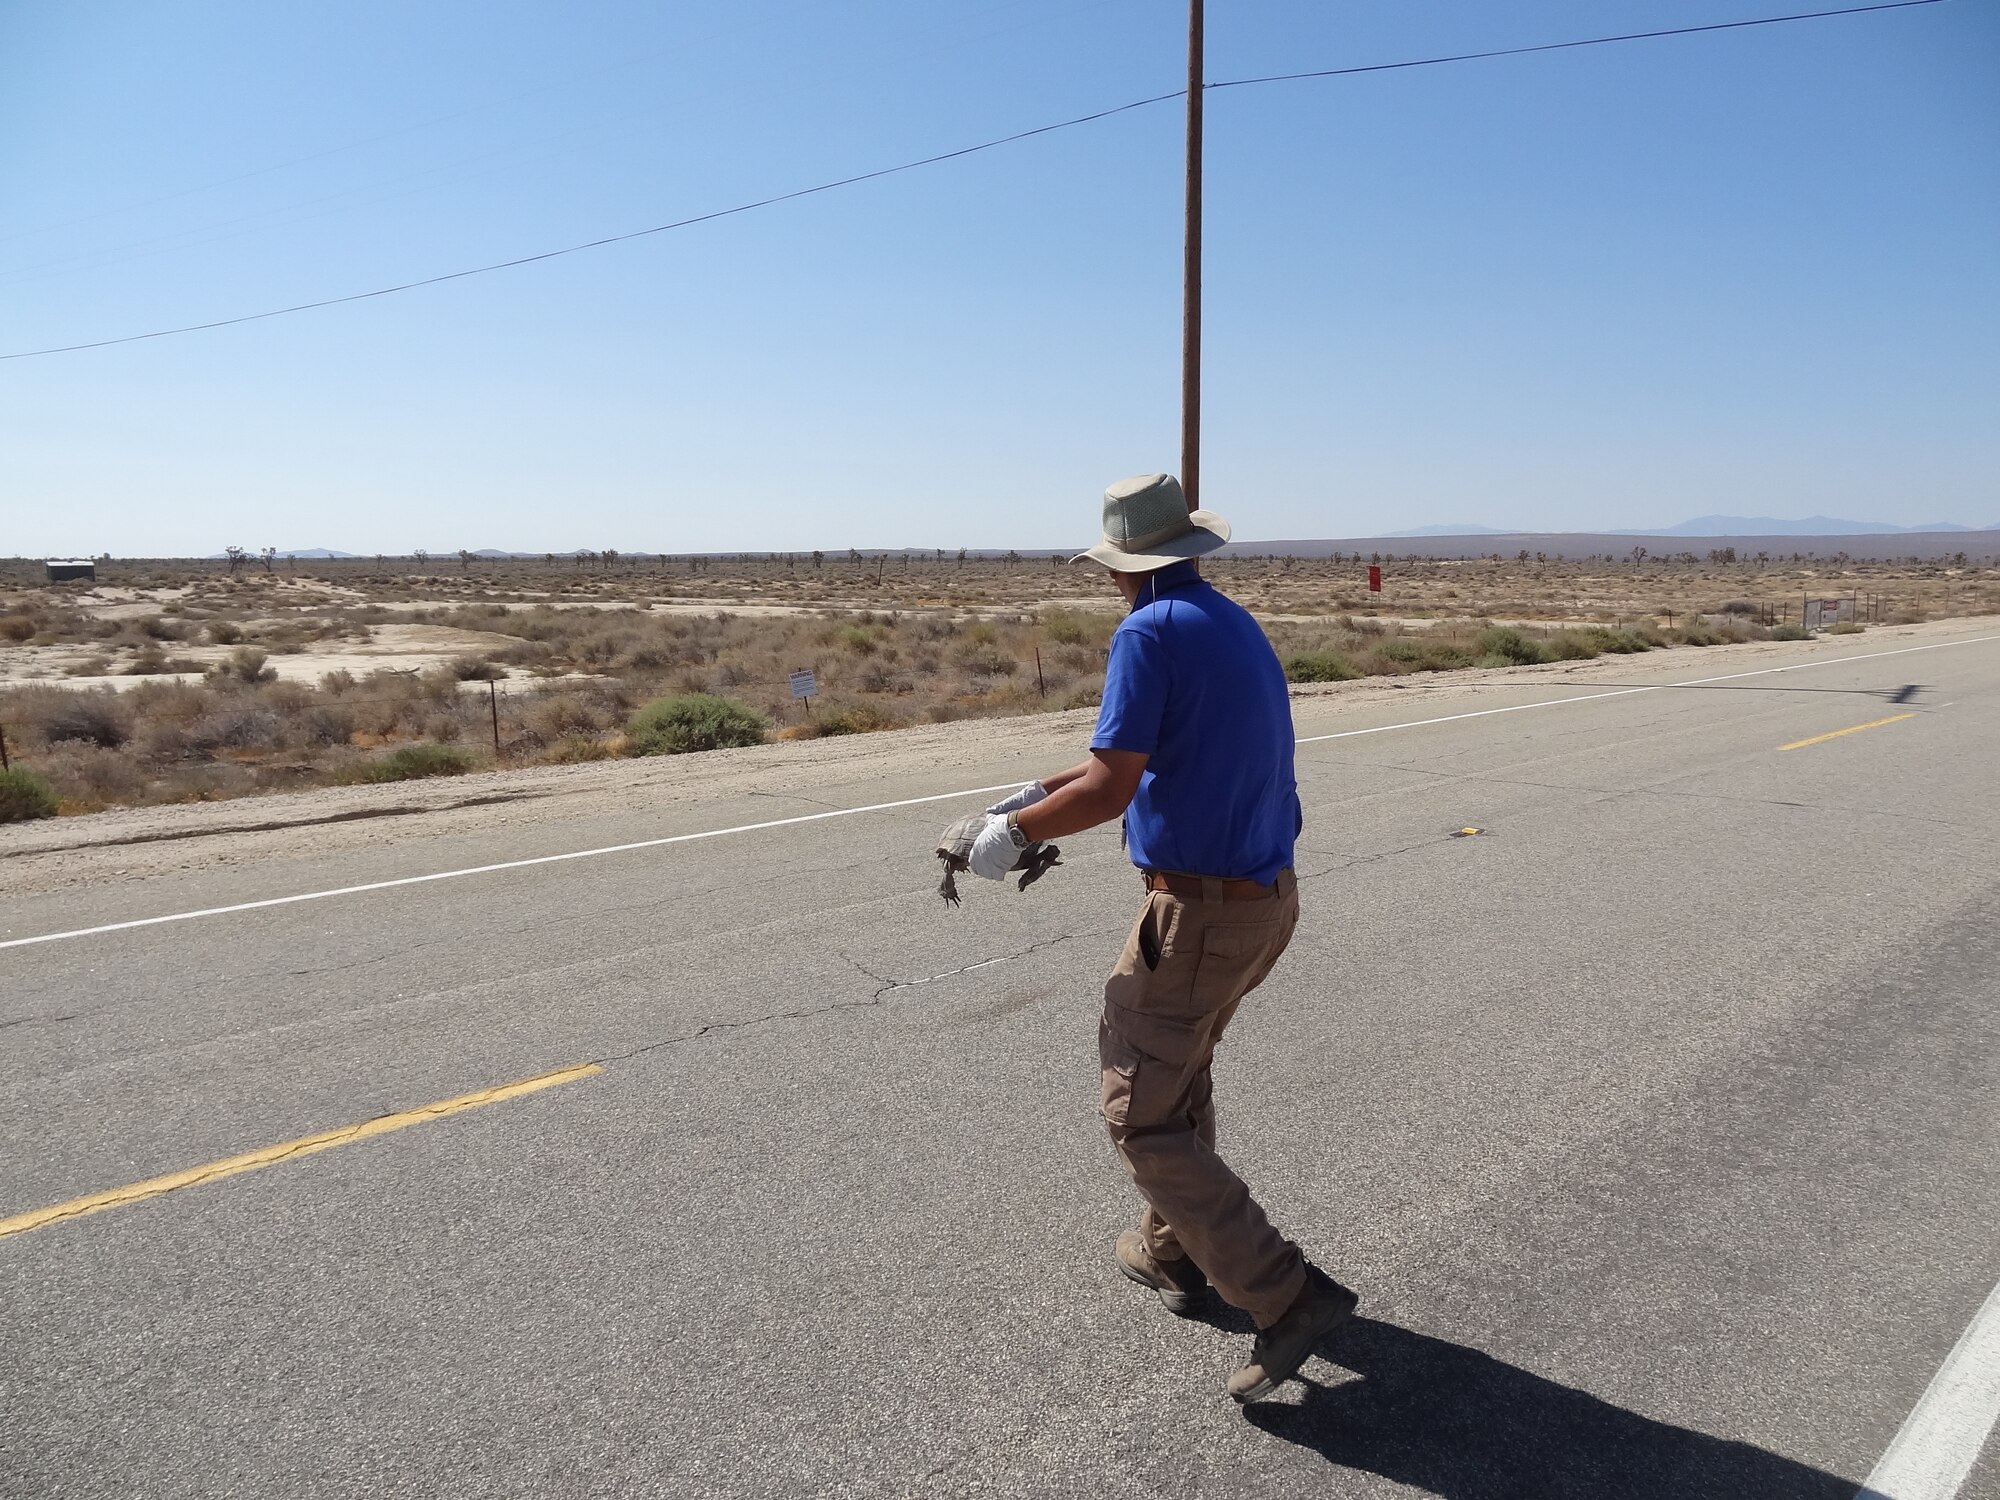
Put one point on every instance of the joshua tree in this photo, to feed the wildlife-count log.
(235, 556)
(422, 557)
(464, 559)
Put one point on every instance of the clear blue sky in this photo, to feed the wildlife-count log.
(1754, 272)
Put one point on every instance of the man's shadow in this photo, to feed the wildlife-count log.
(1463, 1425)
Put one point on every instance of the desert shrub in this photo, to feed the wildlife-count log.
(161, 743)
(326, 724)
(88, 777)
(857, 718)
(149, 661)
(558, 715)
(236, 727)
(439, 686)
(1570, 645)
(1845, 627)
(1788, 633)
(93, 718)
(1510, 646)
(1740, 607)
(1319, 666)
(1422, 654)
(649, 660)
(1695, 633)
(1069, 628)
(17, 628)
(412, 762)
(90, 666)
(338, 681)
(573, 748)
(224, 632)
(24, 795)
(244, 664)
(288, 639)
(529, 653)
(985, 659)
(859, 640)
(1615, 642)
(694, 721)
(475, 669)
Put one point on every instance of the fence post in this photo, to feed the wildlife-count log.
(1041, 686)
(493, 703)
(4, 766)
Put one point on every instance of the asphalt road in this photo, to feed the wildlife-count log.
(1658, 1125)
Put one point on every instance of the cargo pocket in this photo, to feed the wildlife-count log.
(1120, 1060)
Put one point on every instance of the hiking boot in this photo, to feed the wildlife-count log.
(1180, 1283)
(1320, 1308)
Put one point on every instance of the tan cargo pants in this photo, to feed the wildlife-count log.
(1186, 967)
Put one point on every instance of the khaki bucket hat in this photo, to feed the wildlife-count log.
(1147, 525)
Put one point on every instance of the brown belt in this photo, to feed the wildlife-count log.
(1189, 887)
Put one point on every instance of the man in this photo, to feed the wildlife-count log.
(1194, 747)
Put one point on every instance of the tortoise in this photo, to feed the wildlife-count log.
(955, 849)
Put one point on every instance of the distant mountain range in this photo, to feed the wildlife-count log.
(1731, 526)
(1809, 526)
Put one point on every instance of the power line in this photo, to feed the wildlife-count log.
(944, 156)
(1593, 41)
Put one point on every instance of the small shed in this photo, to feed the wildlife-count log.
(70, 569)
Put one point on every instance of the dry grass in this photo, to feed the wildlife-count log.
(573, 650)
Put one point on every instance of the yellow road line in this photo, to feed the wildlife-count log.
(1820, 739)
(250, 1161)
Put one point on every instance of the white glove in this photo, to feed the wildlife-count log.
(993, 853)
(1028, 796)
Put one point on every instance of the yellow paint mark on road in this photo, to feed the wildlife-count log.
(1820, 739)
(250, 1161)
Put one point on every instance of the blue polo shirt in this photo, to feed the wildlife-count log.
(1194, 684)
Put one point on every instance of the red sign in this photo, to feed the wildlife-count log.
(1374, 579)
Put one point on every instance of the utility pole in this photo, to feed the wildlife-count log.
(1191, 272)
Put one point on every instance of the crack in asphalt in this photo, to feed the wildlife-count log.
(884, 988)
(280, 825)
(1349, 861)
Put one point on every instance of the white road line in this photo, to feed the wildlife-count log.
(1516, 708)
(848, 812)
(510, 864)
(1937, 1446)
